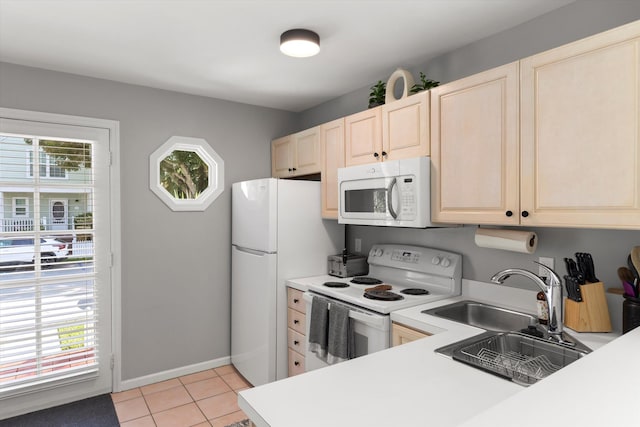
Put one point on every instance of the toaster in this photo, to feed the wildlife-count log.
(347, 265)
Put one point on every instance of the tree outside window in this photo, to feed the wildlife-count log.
(184, 174)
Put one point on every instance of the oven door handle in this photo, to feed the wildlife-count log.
(367, 318)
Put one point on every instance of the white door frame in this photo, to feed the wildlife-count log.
(113, 128)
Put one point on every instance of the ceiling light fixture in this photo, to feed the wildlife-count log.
(299, 43)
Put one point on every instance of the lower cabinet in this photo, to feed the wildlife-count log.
(296, 363)
(296, 338)
(401, 334)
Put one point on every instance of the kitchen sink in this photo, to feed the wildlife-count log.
(520, 358)
(513, 345)
(484, 316)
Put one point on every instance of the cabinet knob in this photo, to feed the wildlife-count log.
(294, 169)
(296, 300)
(384, 154)
(296, 363)
(376, 155)
(525, 214)
(296, 342)
(295, 322)
(290, 170)
(509, 213)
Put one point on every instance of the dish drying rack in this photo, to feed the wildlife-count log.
(523, 362)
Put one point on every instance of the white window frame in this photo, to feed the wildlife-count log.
(14, 207)
(208, 155)
(47, 166)
(113, 128)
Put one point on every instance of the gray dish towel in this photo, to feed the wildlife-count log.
(319, 327)
(341, 337)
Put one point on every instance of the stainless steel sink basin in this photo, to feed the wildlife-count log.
(504, 351)
(518, 357)
(484, 316)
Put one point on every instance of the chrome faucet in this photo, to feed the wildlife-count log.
(552, 292)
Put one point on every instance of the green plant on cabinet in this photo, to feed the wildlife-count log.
(425, 84)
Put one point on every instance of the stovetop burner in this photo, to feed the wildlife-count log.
(383, 295)
(335, 284)
(363, 280)
(414, 291)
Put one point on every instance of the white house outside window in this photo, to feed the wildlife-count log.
(48, 167)
(20, 207)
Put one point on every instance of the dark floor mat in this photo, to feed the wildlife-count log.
(92, 412)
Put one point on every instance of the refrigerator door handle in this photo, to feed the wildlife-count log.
(251, 251)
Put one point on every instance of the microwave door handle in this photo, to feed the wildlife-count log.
(390, 198)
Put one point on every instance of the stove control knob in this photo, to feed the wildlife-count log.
(377, 252)
(435, 260)
(445, 263)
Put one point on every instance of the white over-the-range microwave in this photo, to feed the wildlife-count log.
(393, 193)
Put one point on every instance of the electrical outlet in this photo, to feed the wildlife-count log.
(549, 262)
(357, 245)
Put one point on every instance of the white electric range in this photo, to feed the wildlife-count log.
(405, 276)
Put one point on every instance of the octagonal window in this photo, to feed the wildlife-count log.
(186, 173)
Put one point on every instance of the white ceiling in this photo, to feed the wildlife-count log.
(229, 49)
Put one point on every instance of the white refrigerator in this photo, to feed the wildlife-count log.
(277, 234)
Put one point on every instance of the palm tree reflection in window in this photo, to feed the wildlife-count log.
(184, 174)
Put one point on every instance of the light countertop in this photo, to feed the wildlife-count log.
(412, 385)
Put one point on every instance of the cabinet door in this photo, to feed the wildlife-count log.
(474, 149)
(580, 137)
(307, 152)
(332, 147)
(401, 334)
(405, 127)
(363, 137)
(282, 157)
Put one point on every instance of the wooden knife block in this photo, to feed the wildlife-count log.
(590, 315)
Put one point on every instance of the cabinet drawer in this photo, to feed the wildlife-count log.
(297, 341)
(296, 321)
(295, 300)
(296, 363)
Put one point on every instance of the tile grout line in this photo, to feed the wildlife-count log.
(195, 401)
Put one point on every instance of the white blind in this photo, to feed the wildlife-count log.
(48, 298)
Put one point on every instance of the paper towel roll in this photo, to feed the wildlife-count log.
(508, 240)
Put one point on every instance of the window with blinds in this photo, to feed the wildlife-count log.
(48, 298)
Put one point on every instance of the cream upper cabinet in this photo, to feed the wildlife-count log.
(363, 137)
(332, 154)
(307, 151)
(474, 148)
(297, 154)
(405, 127)
(282, 157)
(580, 133)
(397, 130)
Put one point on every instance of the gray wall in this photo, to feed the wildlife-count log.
(175, 265)
(565, 25)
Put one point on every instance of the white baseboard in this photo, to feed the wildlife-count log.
(173, 373)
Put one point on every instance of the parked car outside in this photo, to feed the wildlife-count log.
(21, 250)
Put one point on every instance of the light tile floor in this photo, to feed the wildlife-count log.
(204, 399)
